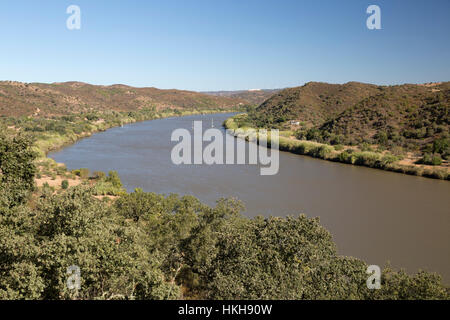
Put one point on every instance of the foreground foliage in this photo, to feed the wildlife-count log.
(149, 246)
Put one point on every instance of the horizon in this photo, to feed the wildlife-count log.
(230, 46)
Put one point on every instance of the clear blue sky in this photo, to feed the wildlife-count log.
(224, 45)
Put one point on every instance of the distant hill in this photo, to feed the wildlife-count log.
(39, 99)
(416, 114)
(314, 102)
(253, 97)
(414, 117)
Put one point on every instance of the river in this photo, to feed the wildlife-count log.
(373, 215)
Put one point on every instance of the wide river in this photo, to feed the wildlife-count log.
(373, 215)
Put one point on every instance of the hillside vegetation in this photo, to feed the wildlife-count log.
(56, 99)
(410, 121)
(252, 97)
(312, 103)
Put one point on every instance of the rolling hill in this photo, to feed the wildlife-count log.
(406, 114)
(39, 99)
(413, 117)
(312, 103)
(253, 97)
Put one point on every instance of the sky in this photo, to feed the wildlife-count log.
(206, 45)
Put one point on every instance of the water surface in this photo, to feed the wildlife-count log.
(374, 215)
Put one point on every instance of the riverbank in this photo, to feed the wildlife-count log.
(54, 133)
(51, 141)
(347, 154)
(346, 198)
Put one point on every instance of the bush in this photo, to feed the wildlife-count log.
(382, 137)
(388, 159)
(98, 175)
(114, 179)
(64, 184)
(365, 147)
(436, 160)
(321, 151)
(441, 146)
(84, 173)
(432, 160)
(397, 151)
(370, 159)
(104, 188)
(344, 157)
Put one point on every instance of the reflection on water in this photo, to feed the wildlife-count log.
(374, 215)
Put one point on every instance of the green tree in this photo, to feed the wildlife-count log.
(17, 169)
(76, 229)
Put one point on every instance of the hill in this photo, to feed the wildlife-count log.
(312, 103)
(408, 117)
(411, 116)
(253, 97)
(39, 99)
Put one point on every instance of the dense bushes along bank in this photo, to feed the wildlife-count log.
(148, 246)
(370, 159)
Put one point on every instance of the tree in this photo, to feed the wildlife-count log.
(17, 169)
(19, 274)
(76, 229)
(146, 246)
(401, 286)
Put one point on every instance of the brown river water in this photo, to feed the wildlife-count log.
(373, 215)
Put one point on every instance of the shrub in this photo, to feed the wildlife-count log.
(397, 151)
(61, 169)
(441, 146)
(436, 173)
(84, 173)
(344, 157)
(433, 160)
(300, 134)
(382, 137)
(313, 134)
(436, 160)
(366, 158)
(114, 179)
(388, 159)
(103, 188)
(365, 147)
(64, 184)
(321, 152)
(98, 175)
